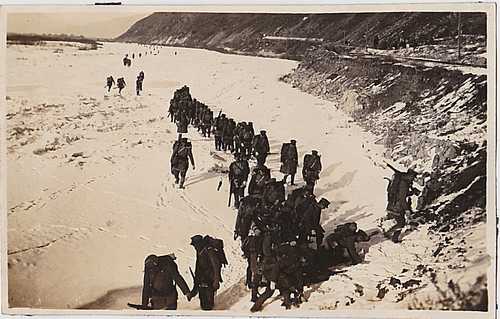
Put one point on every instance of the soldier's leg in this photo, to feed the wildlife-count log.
(237, 195)
(209, 128)
(206, 295)
(183, 179)
(292, 179)
(171, 302)
(287, 303)
(176, 175)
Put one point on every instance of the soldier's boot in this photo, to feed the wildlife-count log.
(287, 303)
(261, 299)
(181, 185)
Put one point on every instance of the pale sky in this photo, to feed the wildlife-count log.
(89, 24)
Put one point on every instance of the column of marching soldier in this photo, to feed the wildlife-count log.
(276, 231)
(281, 235)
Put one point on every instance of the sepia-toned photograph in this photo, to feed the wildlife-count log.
(223, 161)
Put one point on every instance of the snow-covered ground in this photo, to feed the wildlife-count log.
(90, 193)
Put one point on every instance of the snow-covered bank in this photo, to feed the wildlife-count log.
(432, 119)
(98, 197)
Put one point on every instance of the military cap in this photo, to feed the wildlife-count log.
(315, 152)
(196, 239)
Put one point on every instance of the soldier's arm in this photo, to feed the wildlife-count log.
(179, 280)
(191, 158)
(146, 288)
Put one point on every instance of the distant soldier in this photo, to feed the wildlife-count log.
(238, 137)
(141, 75)
(311, 168)
(238, 176)
(109, 82)
(210, 258)
(247, 139)
(260, 175)
(206, 125)
(182, 121)
(342, 243)
(309, 221)
(138, 85)
(160, 279)
(218, 130)
(179, 161)
(125, 60)
(120, 82)
(228, 135)
(289, 160)
(133, 56)
(261, 147)
(399, 191)
(140, 54)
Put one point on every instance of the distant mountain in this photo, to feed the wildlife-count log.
(247, 31)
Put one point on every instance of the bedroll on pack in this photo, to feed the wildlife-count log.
(218, 246)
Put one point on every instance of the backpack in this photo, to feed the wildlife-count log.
(218, 246)
(274, 191)
(183, 150)
(285, 150)
(247, 134)
(246, 212)
(312, 162)
(239, 169)
(392, 190)
(161, 278)
(347, 229)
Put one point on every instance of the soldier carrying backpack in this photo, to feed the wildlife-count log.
(210, 258)
(120, 82)
(260, 175)
(289, 160)
(238, 175)
(109, 82)
(309, 217)
(399, 191)
(342, 243)
(273, 193)
(179, 161)
(260, 146)
(247, 138)
(311, 169)
(160, 279)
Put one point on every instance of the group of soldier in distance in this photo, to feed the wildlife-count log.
(120, 82)
(281, 235)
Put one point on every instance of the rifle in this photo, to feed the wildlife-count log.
(230, 193)
(393, 168)
(192, 275)
(139, 307)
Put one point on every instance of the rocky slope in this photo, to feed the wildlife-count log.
(431, 119)
(246, 32)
